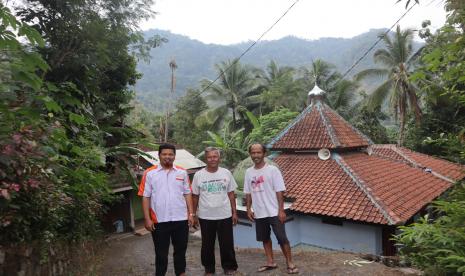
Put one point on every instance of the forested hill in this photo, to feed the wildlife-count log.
(196, 60)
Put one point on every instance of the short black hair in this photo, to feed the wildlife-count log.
(166, 146)
(253, 144)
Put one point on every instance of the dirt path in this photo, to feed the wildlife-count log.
(134, 255)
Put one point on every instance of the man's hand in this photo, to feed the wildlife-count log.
(250, 215)
(149, 225)
(234, 219)
(196, 222)
(282, 216)
(191, 220)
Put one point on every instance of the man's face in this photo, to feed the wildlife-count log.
(257, 154)
(213, 159)
(167, 157)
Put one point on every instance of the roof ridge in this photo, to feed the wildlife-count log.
(370, 142)
(399, 149)
(429, 156)
(392, 219)
(328, 126)
(307, 110)
(410, 161)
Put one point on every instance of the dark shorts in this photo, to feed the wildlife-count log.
(263, 225)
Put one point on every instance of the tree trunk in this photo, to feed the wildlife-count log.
(400, 137)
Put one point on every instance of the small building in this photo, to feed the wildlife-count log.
(345, 192)
(183, 159)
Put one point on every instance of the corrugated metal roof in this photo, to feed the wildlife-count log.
(183, 159)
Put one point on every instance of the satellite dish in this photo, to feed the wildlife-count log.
(324, 154)
(369, 151)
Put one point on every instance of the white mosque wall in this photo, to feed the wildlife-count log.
(310, 230)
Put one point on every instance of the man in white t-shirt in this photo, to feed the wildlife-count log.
(264, 187)
(213, 193)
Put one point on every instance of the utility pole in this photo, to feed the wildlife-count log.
(173, 67)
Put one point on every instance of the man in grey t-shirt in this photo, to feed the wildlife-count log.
(213, 193)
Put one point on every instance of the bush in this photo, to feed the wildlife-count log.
(438, 247)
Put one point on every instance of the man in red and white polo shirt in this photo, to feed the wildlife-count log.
(167, 207)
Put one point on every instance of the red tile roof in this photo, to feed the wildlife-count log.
(388, 185)
(442, 167)
(347, 135)
(322, 187)
(318, 126)
(358, 187)
(399, 189)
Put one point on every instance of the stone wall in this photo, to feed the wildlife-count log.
(59, 259)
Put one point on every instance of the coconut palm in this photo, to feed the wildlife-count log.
(231, 94)
(231, 143)
(397, 62)
(278, 88)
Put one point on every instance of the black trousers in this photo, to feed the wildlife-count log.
(177, 232)
(224, 229)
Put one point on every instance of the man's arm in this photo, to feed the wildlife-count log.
(145, 208)
(190, 209)
(250, 214)
(232, 201)
(281, 213)
(195, 205)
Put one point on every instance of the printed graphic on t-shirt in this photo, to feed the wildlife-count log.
(257, 183)
(213, 186)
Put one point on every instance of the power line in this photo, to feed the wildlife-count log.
(374, 44)
(236, 60)
(271, 27)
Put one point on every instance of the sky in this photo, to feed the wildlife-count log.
(234, 21)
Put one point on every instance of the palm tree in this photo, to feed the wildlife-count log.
(397, 61)
(340, 92)
(278, 88)
(231, 143)
(232, 93)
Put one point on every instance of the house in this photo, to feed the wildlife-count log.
(127, 211)
(347, 193)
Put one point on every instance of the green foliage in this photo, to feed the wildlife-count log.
(396, 60)
(278, 89)
(233, 93)
(369, 123)
(443, 58)
(186, 130)
(271, 124)
(196, 61)
(438, 246)
(62, 110)
(231, 143)
(144, 121)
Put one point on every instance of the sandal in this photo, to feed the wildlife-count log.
(267, 267)
(292, 270)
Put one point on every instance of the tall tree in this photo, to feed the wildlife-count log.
(232, 93)
(186, 131)
(89, 43)
(278, 89)
(397, 61)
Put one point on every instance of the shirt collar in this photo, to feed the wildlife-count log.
(159, 168)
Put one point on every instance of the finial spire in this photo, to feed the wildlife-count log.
(315, 94)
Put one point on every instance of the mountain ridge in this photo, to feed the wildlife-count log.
(196, 59)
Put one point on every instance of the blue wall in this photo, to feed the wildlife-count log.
(304, 229)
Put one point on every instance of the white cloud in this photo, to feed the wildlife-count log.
(233, 21)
